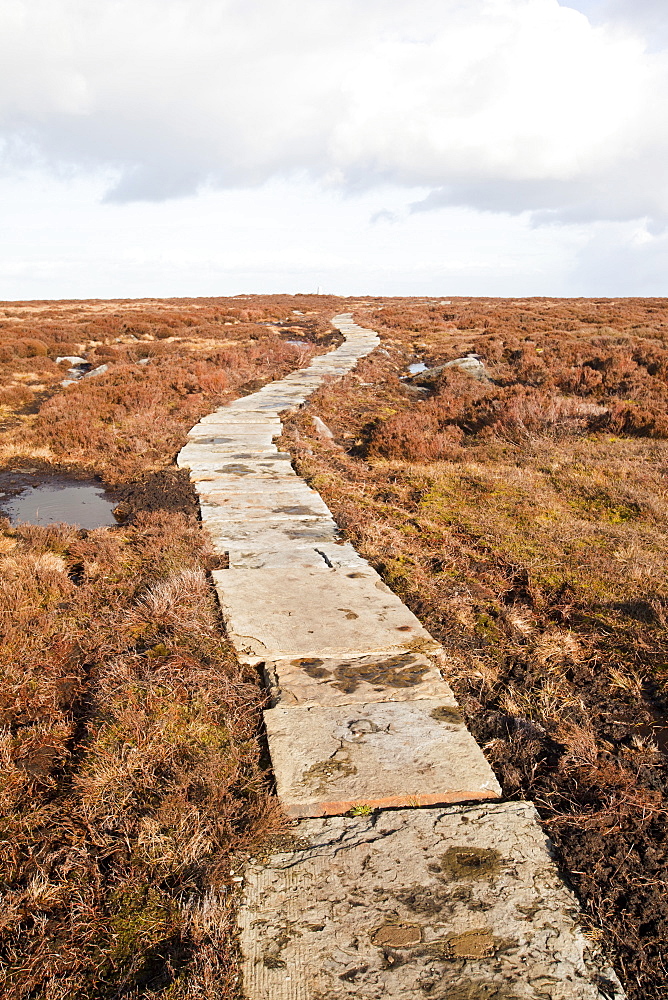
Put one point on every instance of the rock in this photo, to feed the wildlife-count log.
(471, 364)
(360, 680)
(97, 371)
(322, 428)
(383, 754)
(73, 360)
(273, 614)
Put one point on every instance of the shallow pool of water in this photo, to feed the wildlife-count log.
(37, 499)
(417, 367)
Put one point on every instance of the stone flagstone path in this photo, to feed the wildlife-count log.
(375, 898)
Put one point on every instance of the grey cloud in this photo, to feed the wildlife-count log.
(516, 107)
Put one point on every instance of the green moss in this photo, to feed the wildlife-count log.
(140, 917)
(487, 628)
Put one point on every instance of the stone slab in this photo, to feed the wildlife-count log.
(270, 534)
(226, 451)
(273, 614)
(291, 557)
(230, 416)
(244, 484)
(293, 554)
(219, 505)
(290, 492)
(462, 903)
(269, 465)
(320, 555)
(228, 436)
(327, 760)
(360, 680)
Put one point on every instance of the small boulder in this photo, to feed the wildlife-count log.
(471, 364)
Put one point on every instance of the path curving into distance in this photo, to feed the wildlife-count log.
(408, 876)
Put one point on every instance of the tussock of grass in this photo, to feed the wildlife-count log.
(131, 765)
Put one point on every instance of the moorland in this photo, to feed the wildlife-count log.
(522, 516)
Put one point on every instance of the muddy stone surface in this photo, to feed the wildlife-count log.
(461, 902)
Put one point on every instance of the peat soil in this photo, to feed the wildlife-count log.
(607, 822)
(166, 489)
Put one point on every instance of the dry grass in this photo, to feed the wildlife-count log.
(131, 765)
(525, 521)
(133, 418)
(132, 768)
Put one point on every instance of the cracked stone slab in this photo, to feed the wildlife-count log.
(360, 680)
(292, 556)
(273, 614)
(327, 760)
(461, 903)
(342, 555)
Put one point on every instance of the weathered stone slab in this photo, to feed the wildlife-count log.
(221, 451)
(232, 416)
(326, 760)
(360, 680)
(277, 465)
(290, 491)
(235, 484)
(271, 506)
(232, 435)
(461, 903)
(292, 556)
(268, 534)
(273, 615)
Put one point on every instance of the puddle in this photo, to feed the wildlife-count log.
(52, 499)
(417, 367)
(298, 343)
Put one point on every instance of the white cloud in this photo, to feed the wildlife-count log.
(502, 105)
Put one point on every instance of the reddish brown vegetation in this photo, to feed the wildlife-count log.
(129, 734)
(130, 764)
(135, 416)
(525, 522)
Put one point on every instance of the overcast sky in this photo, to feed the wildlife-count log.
(211, 147)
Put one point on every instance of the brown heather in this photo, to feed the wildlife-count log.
(132, 769)
(523, 520)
